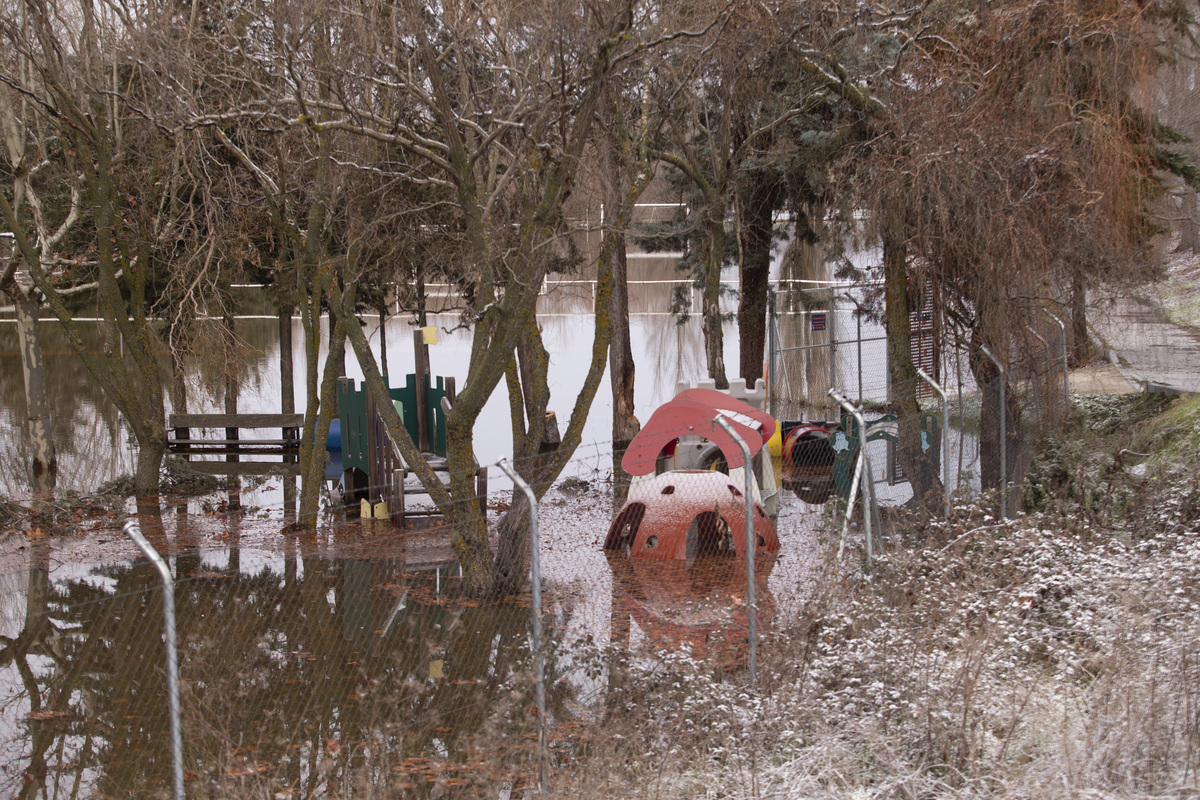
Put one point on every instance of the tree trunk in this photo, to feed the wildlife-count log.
(383, 354)
(43, 461)
(1189, 230)
(921, 469)
(1080, 345)
(287, 398)
(756, 234)
(234, 481)
(714, 337)
(621, 370)
(618, 201)
(987, 378)
(310, 318)
(287, 372)
(176, 344)
(313, 476)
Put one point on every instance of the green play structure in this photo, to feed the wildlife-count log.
(845, 442)
(353, 401)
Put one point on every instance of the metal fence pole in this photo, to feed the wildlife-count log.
(535, 580)
(945, 435)
(772, 346)
(854, 482)
(858, 319)
(1003, 434)
(868, 489)
(751, 542)
(132, 530)
(832, 324)
(1065, 363)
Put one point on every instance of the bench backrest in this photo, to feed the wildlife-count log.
(235, 421)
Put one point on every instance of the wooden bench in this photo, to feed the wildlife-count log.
(181, 442)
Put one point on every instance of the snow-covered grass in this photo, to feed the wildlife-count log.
(1056, 654)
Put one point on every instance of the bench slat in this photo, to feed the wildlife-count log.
(235, 421)
(238, 442)
(244, 468)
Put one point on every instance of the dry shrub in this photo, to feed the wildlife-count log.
(1037, 657)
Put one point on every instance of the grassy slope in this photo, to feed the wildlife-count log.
(1054, 655)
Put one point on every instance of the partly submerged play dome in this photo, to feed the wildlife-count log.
(684, 514)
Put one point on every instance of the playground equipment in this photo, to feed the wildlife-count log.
(818, 456)
(680, 513)
(372, 469)
(685, 514)
(698, 604)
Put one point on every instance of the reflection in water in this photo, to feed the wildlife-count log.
(91, 439)
(330, 676)
(93, 445)
(698, 604)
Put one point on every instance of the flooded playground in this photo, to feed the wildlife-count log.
(326, 662)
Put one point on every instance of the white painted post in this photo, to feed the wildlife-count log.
(945, 435)
(535, 579)
(868, 490)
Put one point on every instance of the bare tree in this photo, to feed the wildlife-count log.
(25, 142)
(77, 80)
(1023, 167)
(490, 107)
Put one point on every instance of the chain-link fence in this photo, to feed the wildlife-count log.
(938, 431)
(350, 662)
(345, 662)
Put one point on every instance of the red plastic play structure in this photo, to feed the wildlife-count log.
(684, 513)
(694, 412)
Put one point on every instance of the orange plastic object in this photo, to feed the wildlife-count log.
(723, 402)
(808, 458)
(687, 417)
(698, 604)
(687, 514)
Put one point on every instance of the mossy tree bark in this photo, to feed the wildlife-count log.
(921, 469)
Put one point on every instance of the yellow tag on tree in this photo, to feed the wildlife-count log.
(429, 334)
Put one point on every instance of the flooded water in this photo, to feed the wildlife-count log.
(94, 445)
(312, 673)
(327, 663)
(340, 659)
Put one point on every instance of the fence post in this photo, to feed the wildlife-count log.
(132, 530)
(535, 579)
(854, 481)
(751, 541)
(945, 435)
(867, 478)
(831, 322)
(772, 346)
(1003, 433)
(1066, 366)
